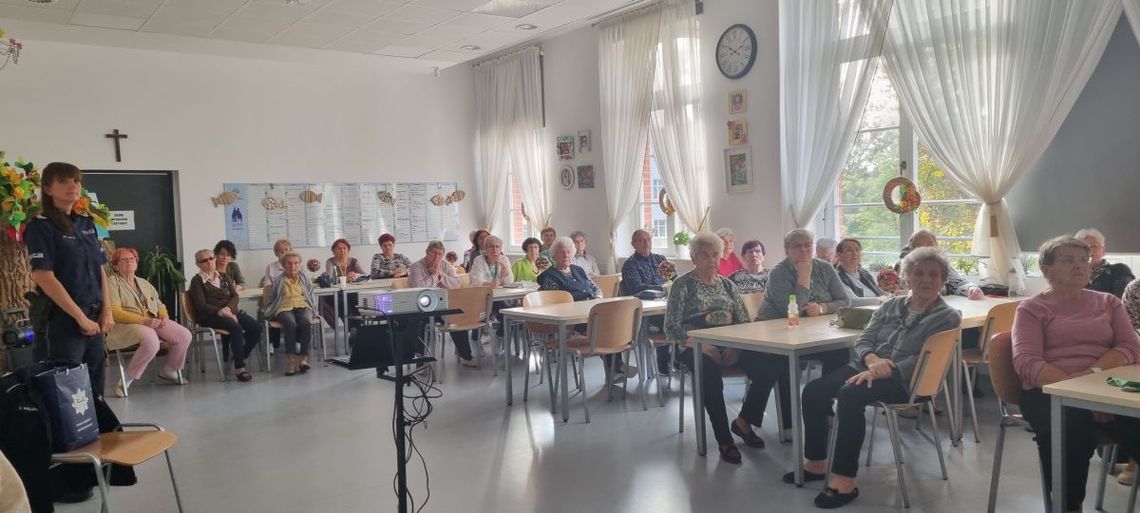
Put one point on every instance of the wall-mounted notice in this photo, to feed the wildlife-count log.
(316, 214)
(122, 220)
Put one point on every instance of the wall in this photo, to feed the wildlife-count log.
(219, 119)
(1090, 172)
(572, 104)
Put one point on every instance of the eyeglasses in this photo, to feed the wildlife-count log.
(204, 260)
(1071, 260)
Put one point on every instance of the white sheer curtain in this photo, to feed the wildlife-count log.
(508, 110)
(626, 58)
(1132, 10)
(987, 85)
(827, 59)
(675, 123)
(528, 157)
(493, 112)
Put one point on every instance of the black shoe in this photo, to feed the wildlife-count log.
(790, 477)
(830, 498)
(72, 496)
(750, 437)
(730, 454)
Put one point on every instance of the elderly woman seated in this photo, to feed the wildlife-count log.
(703, 299)
(215, 300)
(141, 318)
(388, 263)
(729, 262)
(1064, 332)
(886, 354)
(582, 259)
(433, 272)
(291, 303)
(753, 277)
(861, 285)
(273, 269)
(491, 268)
(1104, 277)
(563, 275)
(528, 267)
(955, 284)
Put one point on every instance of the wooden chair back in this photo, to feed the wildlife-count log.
(543, 298)
(400, 283)
(999, 320)
(188, 309)
(752, 303)
(464, 280)
(474, 301)
(933, 362)
(614, 324)
(1006, 383)
(608, 283)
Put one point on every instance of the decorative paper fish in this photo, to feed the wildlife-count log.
(386, 197)
(439, 200)
(225, 198)
(311, 197)
(269, 203)
(458, 196)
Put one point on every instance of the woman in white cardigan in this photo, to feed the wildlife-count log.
(491, 269)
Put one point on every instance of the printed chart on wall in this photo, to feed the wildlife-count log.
(316, 214)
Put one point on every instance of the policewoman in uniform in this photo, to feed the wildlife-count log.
(66, 261)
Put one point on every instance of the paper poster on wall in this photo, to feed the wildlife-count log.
(122, 220)
(316, 214)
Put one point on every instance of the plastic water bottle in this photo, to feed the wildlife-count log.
(793, 312)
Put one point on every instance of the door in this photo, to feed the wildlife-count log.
(144, 209)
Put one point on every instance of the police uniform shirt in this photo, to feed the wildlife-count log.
(76, 260)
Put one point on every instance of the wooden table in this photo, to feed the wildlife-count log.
(565, 315)
(814, 335)
(1091, 393)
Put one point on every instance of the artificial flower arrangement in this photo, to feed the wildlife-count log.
(20, 202)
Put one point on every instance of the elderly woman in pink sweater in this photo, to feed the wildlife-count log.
(1065, 332)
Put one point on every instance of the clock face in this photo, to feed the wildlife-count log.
(736, 51)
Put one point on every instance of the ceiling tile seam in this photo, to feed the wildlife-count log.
(295, 22)
(409, 36)
(228, 18)
(152, 13)
(353, 31)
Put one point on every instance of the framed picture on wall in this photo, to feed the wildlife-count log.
(585, 141)
(565, 147)
(738, 101)
(738, 169)
(737, 132)
(586, 177)
(566, 177)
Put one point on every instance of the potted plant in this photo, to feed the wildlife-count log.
(681, 241)
(160, 269)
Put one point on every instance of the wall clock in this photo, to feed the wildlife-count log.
(736, 51)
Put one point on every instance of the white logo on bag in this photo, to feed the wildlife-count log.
(34, 256)
(79, 401)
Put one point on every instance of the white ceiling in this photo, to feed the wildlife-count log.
(426, 30)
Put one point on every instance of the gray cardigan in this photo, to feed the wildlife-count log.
(885, 337)
(783, 282)
(275, 295)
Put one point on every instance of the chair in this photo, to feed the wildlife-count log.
(1007, 386)
(545, 333)
(270, 323)
(200, 333)
(476, 304)
(130, 448)
(999, 320)
(611, 329)
(928, 379)
(608, 283)
(753, 302)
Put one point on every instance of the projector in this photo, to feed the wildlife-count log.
(398, 301)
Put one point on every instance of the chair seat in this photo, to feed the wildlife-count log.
(466, 326)
(658, 339)
(123, 447)
(582, 346)
(278, 325)
(973, 357)
(218, 331)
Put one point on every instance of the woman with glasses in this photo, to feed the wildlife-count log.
(1065, 332)
(215, 299)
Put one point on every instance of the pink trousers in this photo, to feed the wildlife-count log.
(174, 334)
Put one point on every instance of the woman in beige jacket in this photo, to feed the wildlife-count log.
(141, 318)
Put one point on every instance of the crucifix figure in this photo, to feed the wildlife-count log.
(116, 136)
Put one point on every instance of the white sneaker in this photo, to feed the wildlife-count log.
(173, 377)
(120, 389)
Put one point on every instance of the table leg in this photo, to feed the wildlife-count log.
(336, 318)
(1058, 454)
(511, 333)
(698, 399)
(562, 368)
(956, 420)
(797, 421)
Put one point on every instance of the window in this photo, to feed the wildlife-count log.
(883, 146)
(650, 215)
(520, 229)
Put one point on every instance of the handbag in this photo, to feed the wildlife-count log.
(70, 405)
(853, 318)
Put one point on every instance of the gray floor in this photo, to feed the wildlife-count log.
(323, 442)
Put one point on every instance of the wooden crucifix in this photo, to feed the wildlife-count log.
(116, 136)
